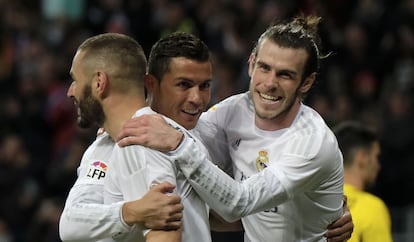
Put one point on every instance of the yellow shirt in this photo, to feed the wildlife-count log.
(370, 216)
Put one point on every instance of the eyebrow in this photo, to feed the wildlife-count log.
(192, 81)
(283, 71)
(262, 63)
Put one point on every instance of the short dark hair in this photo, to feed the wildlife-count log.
(299, 32)
(178, 44)
(120, 54)
(352, 136)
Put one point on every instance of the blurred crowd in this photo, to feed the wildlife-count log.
(367, 75)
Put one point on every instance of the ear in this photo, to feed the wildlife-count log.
(360, 158)
(307, 84)
(150, 83)
(101, 83)
(252, 60)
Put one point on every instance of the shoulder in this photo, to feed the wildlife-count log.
(364, 201)
(374, 203)
(95, 161)
(308, 121)
(238, 100)
(229, 109)
(100, 149)
(309, 129)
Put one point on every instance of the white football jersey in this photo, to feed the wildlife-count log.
(135, 168)
(85, 217)
(289, 181)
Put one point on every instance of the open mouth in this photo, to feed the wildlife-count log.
(192, 112)
(270, 98)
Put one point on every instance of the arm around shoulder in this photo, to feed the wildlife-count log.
(229, 198)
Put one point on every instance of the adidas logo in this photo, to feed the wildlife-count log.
(236, 144)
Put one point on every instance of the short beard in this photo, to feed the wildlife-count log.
(286, 110)
(91, 112)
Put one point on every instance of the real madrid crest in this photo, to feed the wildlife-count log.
(262, 160)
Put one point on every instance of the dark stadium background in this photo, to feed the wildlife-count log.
(368, 77)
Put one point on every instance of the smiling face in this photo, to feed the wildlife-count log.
(80, 91)
(184, 91)
(276, 84)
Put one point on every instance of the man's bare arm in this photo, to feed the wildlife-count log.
(151, 131)
(162, 236)
(156, 210)
(341, 229)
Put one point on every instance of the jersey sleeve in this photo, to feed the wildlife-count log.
(136, 169)
(229, 198)
(211, 129)
(85, 217)
(302, 167)
(214, 139)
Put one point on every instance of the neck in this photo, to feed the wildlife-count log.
(119, 109)
(353, 180)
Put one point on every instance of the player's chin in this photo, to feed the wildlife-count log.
(190, 123)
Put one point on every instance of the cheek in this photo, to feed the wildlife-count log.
(256, 76)
(254, 80)
(377, 166)
(293, 90)
(174, 102)
(206, 97)
(373, 167)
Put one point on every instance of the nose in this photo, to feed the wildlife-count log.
(195, 96)
(271, 81)
(70, 92)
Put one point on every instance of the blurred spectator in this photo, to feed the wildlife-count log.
(45, 223)
(5, 235)
(225, 78)
(20, 202)
(397, 142)
(360, 148)
(61, 173)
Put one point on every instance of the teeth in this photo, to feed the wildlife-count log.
(192, 112)
(268, 97)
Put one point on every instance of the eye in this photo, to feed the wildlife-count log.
(205, 86)
(285, 75)
(72, 81)
(185, 84)
(264, 67)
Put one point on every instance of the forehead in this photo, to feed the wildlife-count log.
(74, 69)
(184, 68)
(275, 55)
